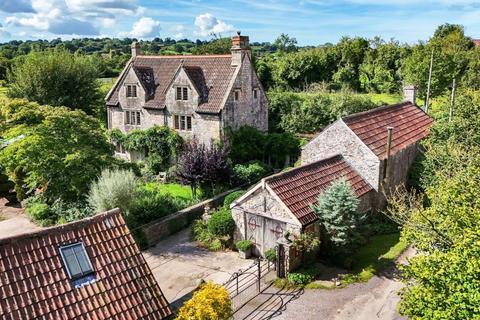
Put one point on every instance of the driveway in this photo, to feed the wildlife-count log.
(376, 299)
(179, 265)
(13, 220)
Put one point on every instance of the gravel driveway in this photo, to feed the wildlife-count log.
(376, 299)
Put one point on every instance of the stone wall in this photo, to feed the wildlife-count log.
(339, 139)
(247, 110)
(262, 203)
(164, 227)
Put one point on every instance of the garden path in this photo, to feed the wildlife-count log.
(179, 265)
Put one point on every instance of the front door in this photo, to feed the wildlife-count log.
(263, 232)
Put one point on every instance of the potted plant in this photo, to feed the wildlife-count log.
(244, 248)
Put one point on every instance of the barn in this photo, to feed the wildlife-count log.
(279, 205)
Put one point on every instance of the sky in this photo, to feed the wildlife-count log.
(311, 22)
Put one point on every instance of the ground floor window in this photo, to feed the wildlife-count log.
(119, 148)
(133, 118)
(183, 123)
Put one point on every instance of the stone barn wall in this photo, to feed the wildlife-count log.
(339, 139)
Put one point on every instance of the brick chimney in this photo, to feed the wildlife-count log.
(410, 94)
(136, 51)
(240, 47)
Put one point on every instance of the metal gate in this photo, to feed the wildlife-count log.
(246, 284)
(263, 232)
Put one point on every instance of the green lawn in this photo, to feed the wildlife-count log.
(3, 92)
(375, 256)
(174, 189)
(383, 98)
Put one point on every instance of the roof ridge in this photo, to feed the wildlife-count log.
(294, 169)
(63, 227)
(377, 109)
(179, 56)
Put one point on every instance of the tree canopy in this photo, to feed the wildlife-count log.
(55, 149)
(58, 79)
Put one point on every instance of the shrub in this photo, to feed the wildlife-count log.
(244, 245)
(232, 197)
(299, 279)
(41, 213)
(68, 212)
(221, 223)
(114, 188)
(250, 173)
(211, 301)
(215, 245)
(271, 255)
(149, 205)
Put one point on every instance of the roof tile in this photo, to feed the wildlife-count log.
(299, 188)
(211, 75)
(34, 284)
(410, 125)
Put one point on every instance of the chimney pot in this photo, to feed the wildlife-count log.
(136, 51)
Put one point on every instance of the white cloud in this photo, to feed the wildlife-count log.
(144, 28)
(207, 24)
(107, 23)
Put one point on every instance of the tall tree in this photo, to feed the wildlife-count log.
(284, 43)
(56, 78)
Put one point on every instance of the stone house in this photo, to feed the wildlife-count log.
(197, 96)
(381, 144)
(279, 205)
(87, 269)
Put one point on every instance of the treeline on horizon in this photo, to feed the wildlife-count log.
(356, 64)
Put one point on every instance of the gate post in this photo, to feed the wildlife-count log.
(280, 263)
(259, 274)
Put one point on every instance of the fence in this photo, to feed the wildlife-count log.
(246, 284)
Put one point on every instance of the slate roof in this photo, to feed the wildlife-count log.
(211, 75)
(34, 283)
(410, 124)
(299, 188)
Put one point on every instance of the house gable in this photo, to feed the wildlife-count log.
(338, 138)
(182, 80)
(131, 78)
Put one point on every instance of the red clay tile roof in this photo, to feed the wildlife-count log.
(211, 75)
(299, 188)
(35, 285)
(410, 124)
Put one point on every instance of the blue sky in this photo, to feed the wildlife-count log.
(311, 22)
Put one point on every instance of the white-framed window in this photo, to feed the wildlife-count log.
(255, 93)
(183, 123)
(181, 93)
(76, 260)
(236, 95)
(133, 118)
(131, 90)
(119, 148)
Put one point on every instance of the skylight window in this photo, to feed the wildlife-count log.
(76, 261)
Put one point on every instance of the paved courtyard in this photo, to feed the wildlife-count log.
(178, 265)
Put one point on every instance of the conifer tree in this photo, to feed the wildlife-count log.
(336, 208)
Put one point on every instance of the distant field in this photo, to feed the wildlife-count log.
(383, 98)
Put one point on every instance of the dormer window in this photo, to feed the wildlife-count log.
(76, 260)
(236, 95)
(182, 93)
(131, 90)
